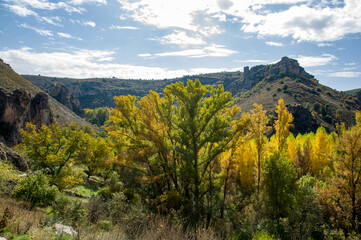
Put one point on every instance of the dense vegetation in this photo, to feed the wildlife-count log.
(184, 166)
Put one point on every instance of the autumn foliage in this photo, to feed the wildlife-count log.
(192, 152)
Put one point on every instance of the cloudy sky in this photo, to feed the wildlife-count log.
(156, 39)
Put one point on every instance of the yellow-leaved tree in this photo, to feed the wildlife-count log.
(257, 129)
(282, 125)
(53, 150)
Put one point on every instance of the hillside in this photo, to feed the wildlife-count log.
(313, 103)
(11, 81)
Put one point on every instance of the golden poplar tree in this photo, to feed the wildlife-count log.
(282, 125)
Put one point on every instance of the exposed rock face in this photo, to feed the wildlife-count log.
(10, 155)
(65, 97)
(285, 67)
(291, 67)
(18, 108)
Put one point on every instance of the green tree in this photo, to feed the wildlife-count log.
(203, 118)
(174, 141)
(279, 184)
(54, 150)
(97, 116)
(94, 154)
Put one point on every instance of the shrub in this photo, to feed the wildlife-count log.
(8, 177)
(262, 235)
(36, 190)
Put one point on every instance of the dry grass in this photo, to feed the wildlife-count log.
(20, 220)
(17, 219)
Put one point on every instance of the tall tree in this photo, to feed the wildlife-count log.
(202, 123)
(348, 169)
(258, 127)
(282, 125)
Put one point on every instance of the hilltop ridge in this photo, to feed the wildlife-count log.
(318, 105)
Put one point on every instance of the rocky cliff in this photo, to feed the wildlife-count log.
(65, 97)
(18, 108)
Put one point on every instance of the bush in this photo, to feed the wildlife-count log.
(262, 235)
(67, 209)
(8, 177)
(36, 190)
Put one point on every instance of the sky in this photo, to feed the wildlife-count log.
(157, 39)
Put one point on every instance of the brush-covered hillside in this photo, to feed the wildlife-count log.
(313, 103)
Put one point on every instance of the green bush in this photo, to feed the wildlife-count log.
(8, 177)
(262, 235)
(67, 209)
(36, 190)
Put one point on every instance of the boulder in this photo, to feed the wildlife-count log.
(64, 229)
(11, 156)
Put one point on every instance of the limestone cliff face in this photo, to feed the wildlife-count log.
(285, 67)
(65, 97)
(18, 108)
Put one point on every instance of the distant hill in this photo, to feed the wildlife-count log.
(312, 103)
(11, 81)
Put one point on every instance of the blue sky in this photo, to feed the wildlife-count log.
(157, 39)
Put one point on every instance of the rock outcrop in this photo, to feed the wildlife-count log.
(11, 156)
(286, 67)
(65, 97)
(18, 108)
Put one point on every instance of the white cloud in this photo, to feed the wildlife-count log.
(307, 22)
(145, 55)
(20, 6)
(313, 61)
(84, 23)
(190, 15)
(210, 51)
(345, 74)
(80, 2)
(180, 38)
(67, 35)
(123, 27)
(275, 44)
(256, 61)
(86, 64)
(42, 32)
(20, 10)
(325, 44)
(122, 17)
(52, 20)
(303, 20)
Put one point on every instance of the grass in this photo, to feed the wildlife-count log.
(24, 224)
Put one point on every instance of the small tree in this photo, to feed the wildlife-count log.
(36, 190)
